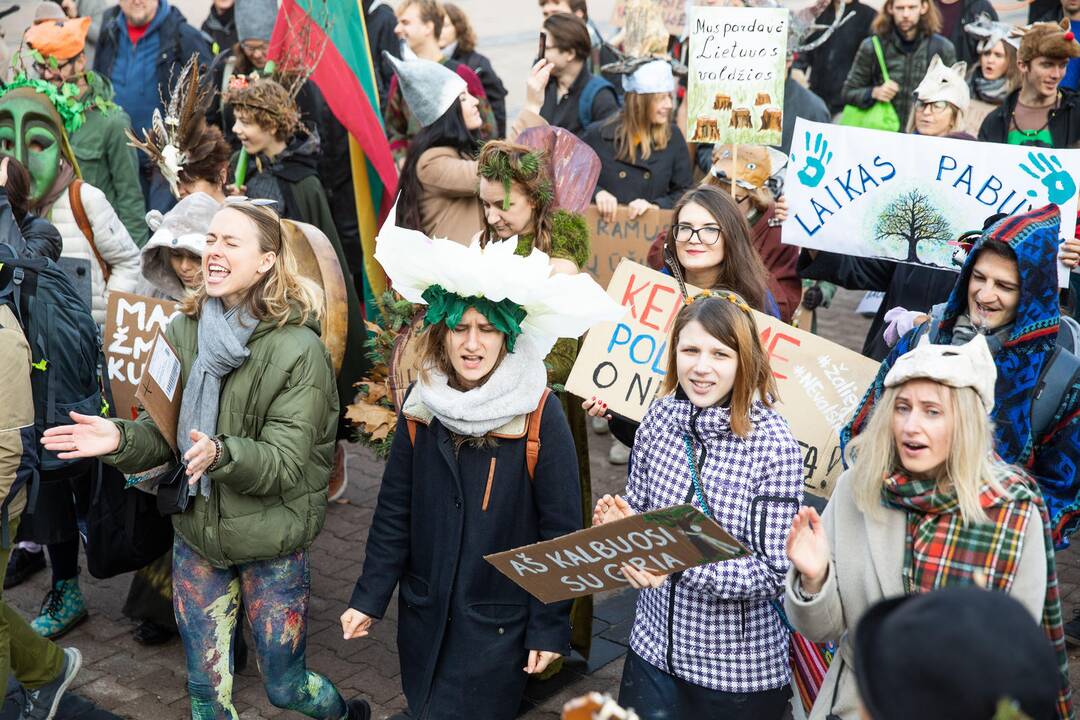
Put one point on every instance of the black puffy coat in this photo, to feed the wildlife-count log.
(464, 629)
(662, 179)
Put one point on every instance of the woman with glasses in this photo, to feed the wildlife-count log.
(941, 101)
(709, 246)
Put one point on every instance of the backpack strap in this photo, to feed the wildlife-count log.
(532, 442)
(81, 219)
(1057, 378)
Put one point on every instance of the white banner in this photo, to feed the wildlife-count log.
(908, 197)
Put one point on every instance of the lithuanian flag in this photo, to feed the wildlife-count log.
(332, 35)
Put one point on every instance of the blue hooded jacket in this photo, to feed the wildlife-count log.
(1053, 459)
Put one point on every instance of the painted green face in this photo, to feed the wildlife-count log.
(29, 133)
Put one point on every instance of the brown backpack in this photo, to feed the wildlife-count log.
(77, 209)
(532, 439)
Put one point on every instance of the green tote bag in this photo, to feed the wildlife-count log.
(880, 115)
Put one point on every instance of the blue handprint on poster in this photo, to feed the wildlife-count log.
(813, 171)
(1060, 187)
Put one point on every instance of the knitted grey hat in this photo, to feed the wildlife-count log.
(255, 19)
(182, 228)
(429, 88)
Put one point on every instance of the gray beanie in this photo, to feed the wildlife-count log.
(429, 88)
(255, 19)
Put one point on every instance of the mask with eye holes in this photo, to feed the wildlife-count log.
(32, 132)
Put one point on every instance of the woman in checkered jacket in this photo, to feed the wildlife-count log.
(708, 642)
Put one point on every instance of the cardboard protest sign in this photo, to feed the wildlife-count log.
(737, 75)
(589, 561)
(819, 382)
(159, 388)
(674, 12)
(612, 242)
(908, 197)
(131, 322)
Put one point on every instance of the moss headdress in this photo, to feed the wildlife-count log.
(65, 99)
(506, 163)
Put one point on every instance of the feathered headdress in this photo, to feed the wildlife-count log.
(170, 141)
(518, 295)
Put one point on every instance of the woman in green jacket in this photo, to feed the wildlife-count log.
(258, 418)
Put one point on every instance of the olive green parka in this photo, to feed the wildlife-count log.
(277, 419)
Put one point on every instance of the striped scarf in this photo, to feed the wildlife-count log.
(941, 550)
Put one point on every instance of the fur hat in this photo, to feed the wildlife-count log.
(1048, 40)
(429, 88)
(945, 83)
(182, 228)
(255, 19)
(958, 366)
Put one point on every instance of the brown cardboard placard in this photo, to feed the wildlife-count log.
(159, 389)
(131, 322)
(674, 12)
(622, 239)
(624, 363)
(588, 561)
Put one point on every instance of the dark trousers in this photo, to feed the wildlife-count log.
(654, 694)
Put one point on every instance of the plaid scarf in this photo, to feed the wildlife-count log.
(941, 550)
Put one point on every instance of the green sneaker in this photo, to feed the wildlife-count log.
(62, 609)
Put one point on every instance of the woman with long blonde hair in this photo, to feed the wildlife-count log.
(926, 504)
(644, 159)
(256, 430)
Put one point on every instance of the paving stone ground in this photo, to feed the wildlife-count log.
(127, 680)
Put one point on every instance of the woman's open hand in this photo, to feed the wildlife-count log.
(807, 547)
(609, 509)
(90, 436)
(355, 624)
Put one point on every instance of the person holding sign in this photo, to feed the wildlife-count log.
(927, 504)
(482, 461)
(708, 642)
(644, 159)
(256, 430)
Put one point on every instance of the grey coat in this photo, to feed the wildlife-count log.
(867, 566)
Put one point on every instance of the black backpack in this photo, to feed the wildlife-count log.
(63, 339)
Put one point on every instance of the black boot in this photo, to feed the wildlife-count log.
(359, 710)
(240, 648)
(150, 633)
(21, 565)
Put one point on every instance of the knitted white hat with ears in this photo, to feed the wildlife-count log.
(429, 88)
(945, 83)
(958, 366)
(652, 77)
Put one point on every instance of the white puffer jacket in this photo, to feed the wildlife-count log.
(114, 243)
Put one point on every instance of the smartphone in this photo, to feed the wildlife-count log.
(542, 48)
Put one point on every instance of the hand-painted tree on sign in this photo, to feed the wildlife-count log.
(912, 218)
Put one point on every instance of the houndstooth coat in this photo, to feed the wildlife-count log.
(721, 631)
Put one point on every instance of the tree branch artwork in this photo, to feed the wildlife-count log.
(912, 218)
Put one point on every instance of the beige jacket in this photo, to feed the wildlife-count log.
(449, 206)
(17, 410)
(866, 566)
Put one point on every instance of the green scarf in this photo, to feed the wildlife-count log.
(447, 307)
(941, 550)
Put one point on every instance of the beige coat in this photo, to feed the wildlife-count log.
(973, 118)
(449, 206)
(866, 566)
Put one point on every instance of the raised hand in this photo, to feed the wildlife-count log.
(536, 85)
(610, 509)
(90, 436)
(807, 547)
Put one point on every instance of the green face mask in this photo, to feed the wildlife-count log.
(30, 134)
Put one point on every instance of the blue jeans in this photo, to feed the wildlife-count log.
(275, 596)
(656, 695)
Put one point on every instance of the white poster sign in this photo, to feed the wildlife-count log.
(908, 197)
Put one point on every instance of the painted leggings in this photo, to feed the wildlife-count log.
(275, 596)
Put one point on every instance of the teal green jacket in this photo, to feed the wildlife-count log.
(278, 421)
(107, 161)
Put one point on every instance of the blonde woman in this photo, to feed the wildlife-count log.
(258, 450)
(925, 505)
(645, 163)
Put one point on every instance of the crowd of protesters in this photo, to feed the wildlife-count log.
(142, 154)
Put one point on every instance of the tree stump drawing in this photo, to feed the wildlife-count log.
(771, 119)
(740, 118)
(762, 99)
(721, 102)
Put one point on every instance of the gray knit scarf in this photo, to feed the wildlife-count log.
(223, 339)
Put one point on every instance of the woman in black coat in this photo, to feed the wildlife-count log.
(458, 483)
(644, 160)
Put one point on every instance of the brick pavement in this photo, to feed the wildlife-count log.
(149, 683)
